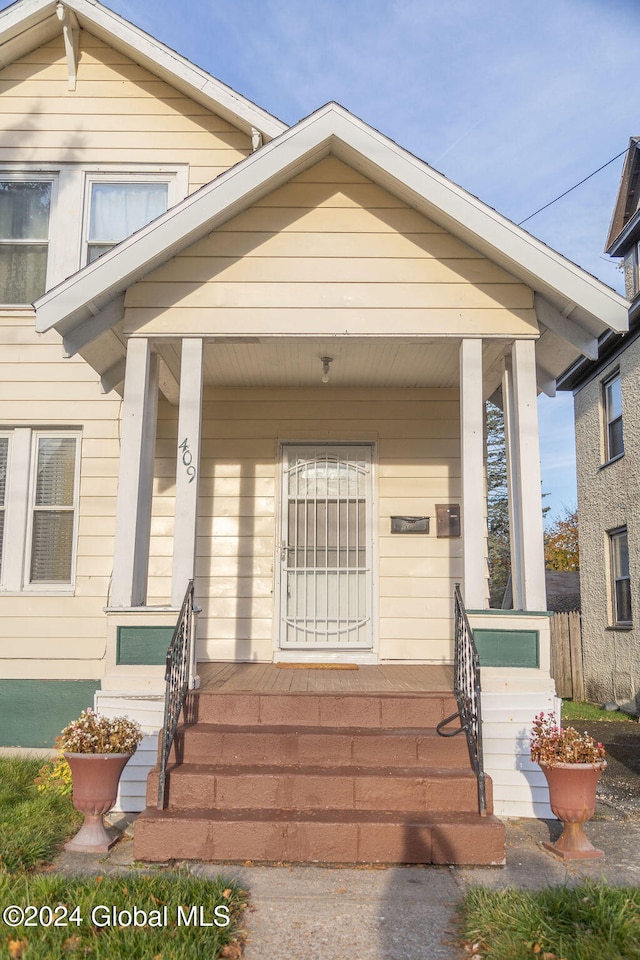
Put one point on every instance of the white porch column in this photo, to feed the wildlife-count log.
(135, 484)
(187, 468)
(523, 474)
(473, 494)
(513, 487)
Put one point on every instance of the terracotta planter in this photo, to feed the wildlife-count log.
(95, 787)
(572, 794)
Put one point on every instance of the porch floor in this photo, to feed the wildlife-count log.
(268, 678)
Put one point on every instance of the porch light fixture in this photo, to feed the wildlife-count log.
(326, 364)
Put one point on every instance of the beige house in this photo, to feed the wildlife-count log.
(258, 360)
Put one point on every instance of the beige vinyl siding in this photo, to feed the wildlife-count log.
(115, 101)
(416, 433)
(329, 253)
(46, 636)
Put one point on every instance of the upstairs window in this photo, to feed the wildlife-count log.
(620, 579)
(118, 209)
(56, 218)
(25, 206)
(612, 396)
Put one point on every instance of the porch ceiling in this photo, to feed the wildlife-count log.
(357, 362)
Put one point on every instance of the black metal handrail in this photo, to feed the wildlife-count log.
(466, 686)
(177, 683)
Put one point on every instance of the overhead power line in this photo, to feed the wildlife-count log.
(579, 184)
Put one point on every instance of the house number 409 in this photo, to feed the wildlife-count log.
(187, 459)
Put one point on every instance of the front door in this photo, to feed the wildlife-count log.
(325, 549)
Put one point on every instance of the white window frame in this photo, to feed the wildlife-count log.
(608, 419)
(70, 194)
(24, 175)
(121, 177)
(615, 577)
(19, 510)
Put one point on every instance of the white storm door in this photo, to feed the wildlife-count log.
(326, 548)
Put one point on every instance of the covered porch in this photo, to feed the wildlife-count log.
(206, 428)
(223, 498)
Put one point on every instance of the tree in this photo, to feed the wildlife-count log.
(561, 550)
(497, 506)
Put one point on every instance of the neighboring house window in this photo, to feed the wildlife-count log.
(116, 210)
(39, 495)
(25, 206)
(620, 579)
(614, 445)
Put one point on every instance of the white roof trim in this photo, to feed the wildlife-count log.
(332, 129)
(29, 23)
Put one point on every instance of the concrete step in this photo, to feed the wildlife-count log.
(317, 746)
(192, 786)
(329, 836)
(379, 710)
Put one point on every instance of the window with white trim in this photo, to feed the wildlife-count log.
(39, 480)
(25, 207)
(53, 509)
(55, 218)
(612, 403)
(620, 578)
(117, 208)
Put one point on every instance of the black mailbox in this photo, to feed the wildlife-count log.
(409, 524)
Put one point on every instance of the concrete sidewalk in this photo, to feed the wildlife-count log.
(386, 913)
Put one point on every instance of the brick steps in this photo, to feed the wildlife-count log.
(328, 836)
(379, 710)
(193, 786)
(352, 778)
(245, 745)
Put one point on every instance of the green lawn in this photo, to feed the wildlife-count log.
(581, 710)
(590, 922)
(169, 914)
(33, 824)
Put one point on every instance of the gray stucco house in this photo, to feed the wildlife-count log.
(606, 402)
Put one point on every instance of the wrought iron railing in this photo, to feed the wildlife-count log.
(176, 675)
(466, 686)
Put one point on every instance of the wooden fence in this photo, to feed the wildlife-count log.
(566, 655)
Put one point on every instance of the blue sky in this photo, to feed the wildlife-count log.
(515, 102)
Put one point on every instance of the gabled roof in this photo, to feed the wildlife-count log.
(28, 24)
(570, 298)
(625, 224)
